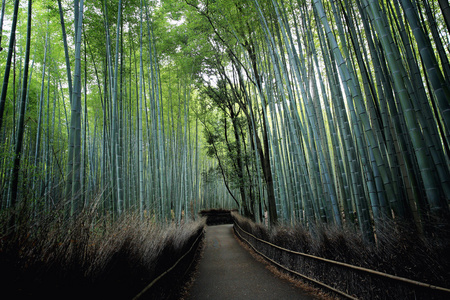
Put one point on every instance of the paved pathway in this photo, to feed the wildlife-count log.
(228, 271)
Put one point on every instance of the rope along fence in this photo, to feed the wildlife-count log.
(359, 281)
(151, 284)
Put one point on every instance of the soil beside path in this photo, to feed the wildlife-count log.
(227, 271)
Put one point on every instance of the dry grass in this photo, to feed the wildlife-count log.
(91, 257)
(400, 251)
(301, 284)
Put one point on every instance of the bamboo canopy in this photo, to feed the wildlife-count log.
(292, 111)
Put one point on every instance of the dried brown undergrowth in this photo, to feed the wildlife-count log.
(399, 251)
(91, 257)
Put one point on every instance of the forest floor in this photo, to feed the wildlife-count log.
(228, 271)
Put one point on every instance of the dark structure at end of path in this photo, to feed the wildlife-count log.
(217, 216)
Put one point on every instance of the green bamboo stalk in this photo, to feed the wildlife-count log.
(1, 22)
(430, 179)
(66, 50)
(140, 123)
(12, 40)
(41, 103)
(73, 183)
(445, 7)
(21, 126)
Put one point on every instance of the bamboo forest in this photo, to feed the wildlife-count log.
(121, 120)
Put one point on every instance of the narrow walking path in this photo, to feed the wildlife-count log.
(228, 271)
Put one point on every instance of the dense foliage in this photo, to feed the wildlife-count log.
(304, 111)
(325, 111)
(104, 114)
(295, 112)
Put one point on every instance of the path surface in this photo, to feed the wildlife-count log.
(228, 271)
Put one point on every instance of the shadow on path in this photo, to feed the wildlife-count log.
(227, 271)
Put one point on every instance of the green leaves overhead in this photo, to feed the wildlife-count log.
(113, 120)
(314, 111)
(336, 90)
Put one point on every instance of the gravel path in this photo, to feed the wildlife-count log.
(227, 271)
